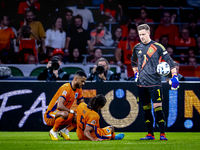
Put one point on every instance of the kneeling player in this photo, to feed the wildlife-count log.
(88, 122)
(61, 108)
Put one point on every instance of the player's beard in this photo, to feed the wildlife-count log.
(78, 86)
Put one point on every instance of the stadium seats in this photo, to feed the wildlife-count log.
(36, 71)
(15, 71)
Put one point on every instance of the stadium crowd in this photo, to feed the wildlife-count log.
(33, 31)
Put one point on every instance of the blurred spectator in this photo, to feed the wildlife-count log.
(100, 36)
(97, 55)
(58, 52)
(117, 36)
(75, 57)
(32, 5)
(198, 45)
(191, 52)
(183, 58)
(164, 40)
(78, 37)
(193, 28)
(124, 51)
(28, 5)
(192, 61)
(36, 29)
(84, 12)
(27, 46)
(53, 72)
(112, 10)
(166, 28)
(55, 37)
(125, 24)
(50, 9)
(143, 17)
(170, 51)
(67, 21)
(6, 35)
(185, 39)
(31, 59)
(101, 71)
(168, 77)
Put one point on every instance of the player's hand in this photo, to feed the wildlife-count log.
(136, 76)
(98, 139)
(48, 64)
(174, 82)
(102, 76)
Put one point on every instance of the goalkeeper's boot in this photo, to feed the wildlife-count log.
(119, 136)
(148, 137)
(163, 137)
(53, 135)
(64, 133)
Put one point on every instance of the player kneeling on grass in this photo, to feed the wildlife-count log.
(88, 127)
(61, 108)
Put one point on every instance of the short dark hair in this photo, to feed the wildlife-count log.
(68, 10)
(95, 102)
(81, 73)
(79, 17)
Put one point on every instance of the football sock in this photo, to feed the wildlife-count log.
(148, 118)
(160, 119)
(70, 127)
(58, 123)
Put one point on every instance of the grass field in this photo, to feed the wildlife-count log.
(42, 141)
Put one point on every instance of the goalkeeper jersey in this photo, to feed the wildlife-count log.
(146, 57)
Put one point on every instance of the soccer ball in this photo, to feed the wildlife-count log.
(163, 68)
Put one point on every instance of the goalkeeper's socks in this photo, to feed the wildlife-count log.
(149, 120)
(160, 119)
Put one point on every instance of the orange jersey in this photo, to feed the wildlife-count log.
(88, 117)
(70, 95)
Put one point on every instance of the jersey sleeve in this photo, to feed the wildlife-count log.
(164, 54)
(134, 57)
(93, 120)
(64, 91)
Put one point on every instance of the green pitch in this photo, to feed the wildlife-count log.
(42, 141)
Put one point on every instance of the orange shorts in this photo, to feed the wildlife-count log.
(49, 117)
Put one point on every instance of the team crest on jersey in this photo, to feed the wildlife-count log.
(76, 95)
(108, 130)
(152, 49)
(64, 93)
(93, 122)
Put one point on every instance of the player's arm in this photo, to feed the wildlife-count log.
(61, 106)
(174, 81)
(81, 100)
(134, 65)
(88, 135)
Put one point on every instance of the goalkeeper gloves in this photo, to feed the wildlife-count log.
(174, 82)
(136, 75)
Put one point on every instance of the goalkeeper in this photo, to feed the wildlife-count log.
(145, 58)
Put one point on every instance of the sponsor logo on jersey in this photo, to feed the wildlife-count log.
(64, 93)
(76, 95)
(140, 52)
